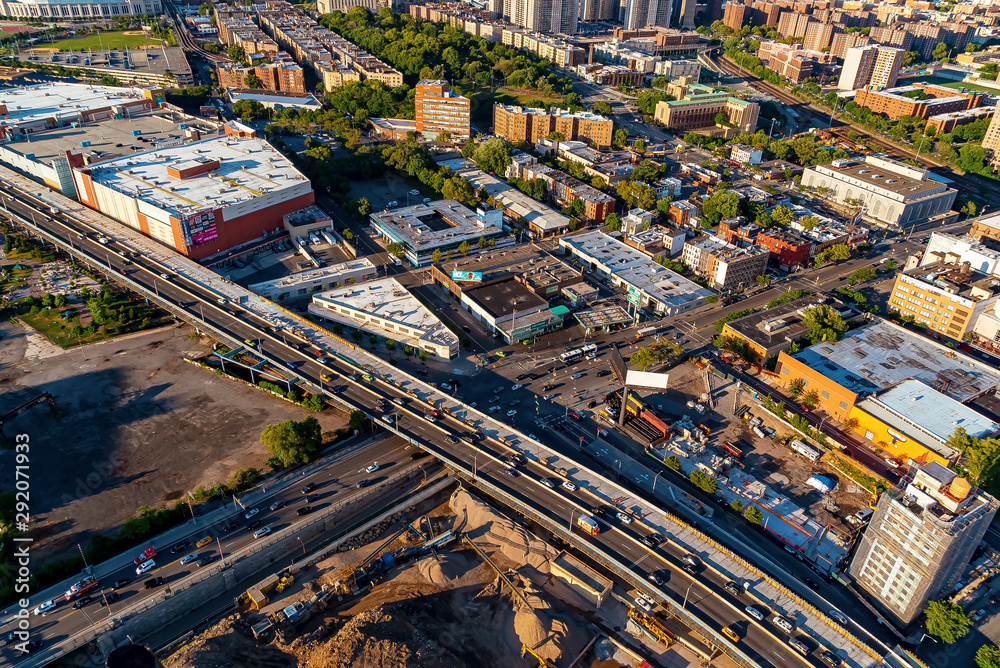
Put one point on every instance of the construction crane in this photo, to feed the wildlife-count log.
(651, 627)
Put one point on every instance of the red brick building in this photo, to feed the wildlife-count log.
(737, 231)
(787, 249)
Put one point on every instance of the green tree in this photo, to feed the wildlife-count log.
(763, 280)
(940, 51)
(463, 248)
(357, 421)
(811, 399)
(796, 387)
(248, 110)
(314, 402)
(443, 138)
(663, 207)
(390, 345)
(613, 222)
(753, 515)
(736, 505)
(423, 356)
(372, 339)
(640, 145)
(981, 460)
(364, 206)
(206, 9)
(293, 442)
(720, 207)
(642, 359)
(862, 275)
(493, 155)
(469, 148)
(602, 108)
(782, 215)
(823, 324)
(235, 52)
(946, 620)
(620, 138)
(253, 82)
(460, 190)
(988, 656)
(357, 335)
(47, 300)
(969, 209)
(436, 256)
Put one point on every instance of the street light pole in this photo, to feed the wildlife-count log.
(684, 605)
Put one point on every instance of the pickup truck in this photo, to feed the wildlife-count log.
(146, 555)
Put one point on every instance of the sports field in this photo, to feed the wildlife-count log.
(106, 40)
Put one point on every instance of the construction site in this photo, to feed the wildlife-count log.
(450, 582)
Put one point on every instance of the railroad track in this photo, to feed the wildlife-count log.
(187, 40)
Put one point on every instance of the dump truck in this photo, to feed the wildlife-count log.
(588, 524)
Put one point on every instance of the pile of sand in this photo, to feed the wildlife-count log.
(379, 638)
(541, 627)
(444, 570)
(490, 530)
(227, 644)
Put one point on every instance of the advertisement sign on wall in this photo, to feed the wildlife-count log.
(473, 276)
(201, 227)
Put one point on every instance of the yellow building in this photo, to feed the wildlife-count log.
(913, 421)
(946, 298)
(518, 125)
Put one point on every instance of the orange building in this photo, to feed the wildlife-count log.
(519, 124)
(440, 110)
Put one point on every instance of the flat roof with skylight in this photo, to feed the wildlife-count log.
(427, 226)
(879, 355)
(27, 105)
(211, 173)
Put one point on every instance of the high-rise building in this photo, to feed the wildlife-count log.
(440, 110)
(920, 540)
(818, 35)
(735, 15)
(765, 13)
(793, 24)
(642, 13)
(842, 41)
(873, 66)
(559, 16)
(991, 142)
(519, 125)
(598, 10)
(892, 36)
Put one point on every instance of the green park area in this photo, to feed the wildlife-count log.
(104, 40)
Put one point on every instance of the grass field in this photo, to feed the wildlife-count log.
(107, 40)
(961, 84)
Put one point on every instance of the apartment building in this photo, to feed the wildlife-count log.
(617, 52)
(725, 266)
(842, 41)
(554, 16)
(557, 51)
(598, 10)
(896, 102)
(892, 36)
(991, 142)
(696, 105)
(819, 36)
(793, 62)
(282, 76)
(920, 540)
(674, 69)
(894, 194)
(786, 249)
(661, 41)
(368, 66)
(643, 13)
(328, 6)
(519, 124)
(793, 24)
(735, 15)
(439, 110)
(612, 75)
(926, 36)
(946, 298)
(335, 75)
(765, 13)
(566, 189)
(745, 154)
(986, 230)
(874, 66)
(946, 122)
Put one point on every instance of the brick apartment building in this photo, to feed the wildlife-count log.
(842, 41)
(519, 124)
(892, 36)
(283, 76)
(735, 15)
(788, 249)
(895, 103)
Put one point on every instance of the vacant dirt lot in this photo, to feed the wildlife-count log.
(139, 427)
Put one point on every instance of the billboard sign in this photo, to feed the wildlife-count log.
(201, 228)
(471, 276)
(653, 381)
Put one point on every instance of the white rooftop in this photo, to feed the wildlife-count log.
(321, 275)
(927, 415)
(31, 104)
(248, 168)
(388, 301)
(425, 226)
(636, 268)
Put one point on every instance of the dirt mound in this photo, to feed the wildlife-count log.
(492, 531)
(541, 627)
(443, 569)
(380, 638)
(229, 644)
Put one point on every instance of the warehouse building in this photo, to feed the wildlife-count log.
(304, 283)
(544, 274)
(509, 310)
(385, 308)
(200, 198)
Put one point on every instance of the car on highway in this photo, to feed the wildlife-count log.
(309, 498)
(430, 418)
(104, 240)
(255, 524)
(602, 373)
(783, 624)
(830, 658)
(222, 300)
(121, 583)
(548, 482)
(418, 455)
(812, 584)
(623, 518)
(641, 602)
(494, 409)
(511, 472)
(690, 569)
(755, 613)
(363, 483)
(546, 397)
(178, 547)
(652, 540)
(730, 633)
(575, 415)
(655, 578)
(523, 376)
(799, 646)
(277, 505)
(892, 463)
(154, 582)
(206, 560)
(451, 438)
(511, 413)
(44, 608)
(576, 375)
(308, 488)
(446, 387)
(516, 386)
(838, 617)
(145, 567)
(733, 588)
(548, 387)
(371, 468)
(569, 486)
(304, 510)
(108, 597)
(261, 532)
(165, 277)
(83, 601)
(493, 400)
(250, 513)
(29, 647)
(187, 559)
(230, 525)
